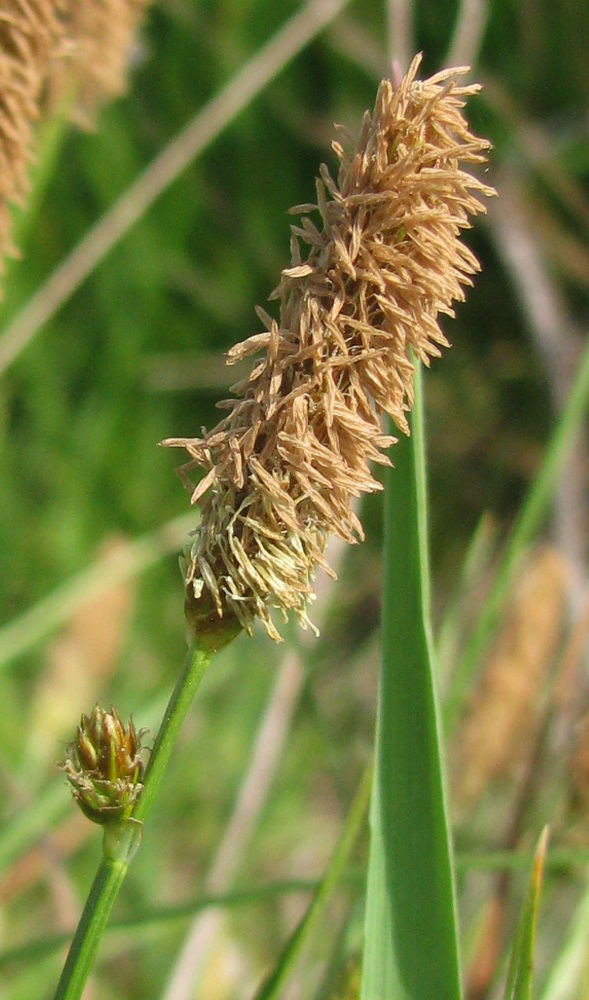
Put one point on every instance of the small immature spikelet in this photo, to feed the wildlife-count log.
(103, 764)
(30, 38)
(101, 36)
(283, 467)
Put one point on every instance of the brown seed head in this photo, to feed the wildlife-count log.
(30, 39)
(103, 764)
(361, 299)
(101, 37)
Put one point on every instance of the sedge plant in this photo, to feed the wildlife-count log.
(375, 262)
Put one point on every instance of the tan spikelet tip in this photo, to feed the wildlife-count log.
(371, 271)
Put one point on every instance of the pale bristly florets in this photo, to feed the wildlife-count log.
(356, 306)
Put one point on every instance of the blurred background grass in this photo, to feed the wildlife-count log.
(136, 355)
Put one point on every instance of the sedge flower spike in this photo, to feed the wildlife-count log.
(52, 52)
(359, 302)
(30, 43)
(101, 36)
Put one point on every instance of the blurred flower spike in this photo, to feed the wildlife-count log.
(357, 308)
(104, 766)
(56, 57)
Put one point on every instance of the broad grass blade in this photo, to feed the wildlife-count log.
(410, 933)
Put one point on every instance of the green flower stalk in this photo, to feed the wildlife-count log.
(104, 766)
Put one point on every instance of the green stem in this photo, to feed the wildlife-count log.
(101, 897)
(113, 867)
(186, 687)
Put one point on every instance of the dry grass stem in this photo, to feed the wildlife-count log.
(469, 31)
(360, 300)
(400, 32)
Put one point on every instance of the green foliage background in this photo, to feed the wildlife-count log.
(132, 358)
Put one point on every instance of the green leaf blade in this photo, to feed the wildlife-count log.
(519, 977)
(411, 950)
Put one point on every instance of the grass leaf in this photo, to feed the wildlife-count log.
(568, 970)
(410, 934)
(270, 988)
(519, 977)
